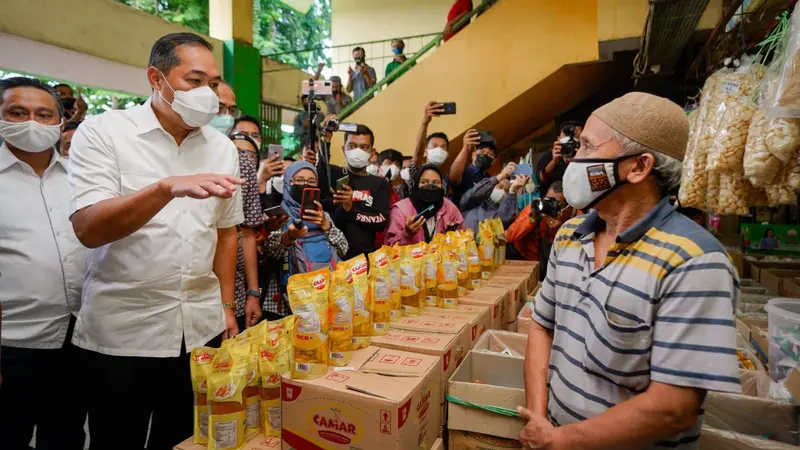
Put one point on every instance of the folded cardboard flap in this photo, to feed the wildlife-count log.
(753, 416)
(792, 383)
(524, 318)
(492, 298)
(754, 327)
(713, 439)
(506, 343)
(257, 442)
(467, 440)
(490, 380)
(780, 281)
(438, 445)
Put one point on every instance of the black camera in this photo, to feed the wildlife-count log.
(569, 143)
(334, 125)
(547, 206)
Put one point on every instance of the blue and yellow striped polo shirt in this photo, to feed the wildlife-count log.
(660, 308)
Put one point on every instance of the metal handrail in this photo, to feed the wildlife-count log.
(349, 109)
(355, 44)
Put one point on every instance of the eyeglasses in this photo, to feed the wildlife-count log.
(255, 135)
(234, 111)
(311, 182)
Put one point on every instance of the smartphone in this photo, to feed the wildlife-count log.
(274, 211)
(274, 150)
(486, 136)
(320, 87)
(449, 108)
(421, 213)
(342, 182)
(524, 170)
(310, 195)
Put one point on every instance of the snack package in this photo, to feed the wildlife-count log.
(761, 167)
(431, 267)
(784, 100)
(308, 298)
(341, 316)
(412, 282)
(447, 277)
(712, 192)
(733, 191)
(394, 275)
(380, 286)
(475, 276)
(273, 361)
(200, 368)
(781, 192)
(226, 405)
(362, 302)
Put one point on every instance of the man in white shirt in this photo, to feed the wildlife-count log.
(155, 197)
(41, 273)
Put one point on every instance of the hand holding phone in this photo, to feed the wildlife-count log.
(310, 199)
(422, 213)
(448, 108)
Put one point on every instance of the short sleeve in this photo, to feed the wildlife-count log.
(544, 306)
(694, 336)
(232, 213)
(93, 171)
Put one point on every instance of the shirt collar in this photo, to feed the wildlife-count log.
(146, 121)
(7, 159)
(593, 223)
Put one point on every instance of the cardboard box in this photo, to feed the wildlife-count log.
(754, 416)
(460, 328)
(755, 330)
(478, 318)
(506, 343)
(467, 440)
(487, 379)
(257, 442)
(387, 403)
(524, 318)
(776, 280)
(792, 383)
(438, 445)
(531, 273)
(493, 298)
(516, 296)
(713, 439)
(737, 258)
(757, 268)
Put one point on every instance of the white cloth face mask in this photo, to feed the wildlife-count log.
(437, 156)
(197, 107)
(30, 136)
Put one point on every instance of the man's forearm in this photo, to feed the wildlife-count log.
(225, 262)
(250, 258)
(549, 169)
(457, 168)
(660, 413)
(116, 218)
(537, 360)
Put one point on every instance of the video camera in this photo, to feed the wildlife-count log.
(547, 206)
(569, 143)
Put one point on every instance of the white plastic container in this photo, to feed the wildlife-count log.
(784, 336)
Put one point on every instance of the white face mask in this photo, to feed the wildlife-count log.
(437, 156)
(497, 195)
(222, 123)
(405, 174)
(30, 136)
(197, 107)
(276, 184)
(587, 181)
(391, 172)
(373, 169)
(530, 187)
(357, 158)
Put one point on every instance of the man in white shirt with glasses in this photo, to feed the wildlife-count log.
(155, 197)
(41, 273)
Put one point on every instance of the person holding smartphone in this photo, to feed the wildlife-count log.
(304, 224)
(425, 213)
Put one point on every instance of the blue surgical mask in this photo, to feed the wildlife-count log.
(222, 123)
(398, 50)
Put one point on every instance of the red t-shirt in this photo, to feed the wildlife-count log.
(459, 7)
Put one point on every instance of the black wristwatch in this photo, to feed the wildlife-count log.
(254, 292)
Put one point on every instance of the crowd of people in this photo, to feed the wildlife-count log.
(133, 236)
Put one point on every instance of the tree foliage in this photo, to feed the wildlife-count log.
(189, 13)
(278, 28)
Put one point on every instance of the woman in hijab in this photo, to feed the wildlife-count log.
(298, 176)
(439, 214)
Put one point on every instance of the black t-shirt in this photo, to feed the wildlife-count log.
(469, 178)
(557, 174)
(370, 212)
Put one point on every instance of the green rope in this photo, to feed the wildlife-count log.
(776, 37)
(493, 409)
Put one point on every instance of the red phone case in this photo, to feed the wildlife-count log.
(310, 195)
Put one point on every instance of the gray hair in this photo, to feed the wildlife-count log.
(666, 168)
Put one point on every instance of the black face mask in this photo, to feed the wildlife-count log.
(431, 194)
(483, 162)
(359, 60)
(297, 192)
(68, 103)
(335, 91)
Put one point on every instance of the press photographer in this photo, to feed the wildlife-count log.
(551, 166)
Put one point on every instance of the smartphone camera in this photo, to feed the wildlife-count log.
(545, 207)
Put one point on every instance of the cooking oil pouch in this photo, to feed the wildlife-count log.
(340, 308)
(411, 281)
(462, 265)
(200, 368)
(486, 249)
(252, 395)
(431, 267)
(273, 361)
(393, 253)
(380, 291)
(362, 303)
(447, 277)
(308, 298)
(474, 263)
(500, 232)
(227, 416)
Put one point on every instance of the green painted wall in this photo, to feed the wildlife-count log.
(243, 73)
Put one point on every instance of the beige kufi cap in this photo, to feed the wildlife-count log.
(649, 120)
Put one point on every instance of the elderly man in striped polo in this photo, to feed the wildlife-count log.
(634, 322)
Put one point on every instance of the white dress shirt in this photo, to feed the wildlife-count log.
(146, 292)
(41, 260)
